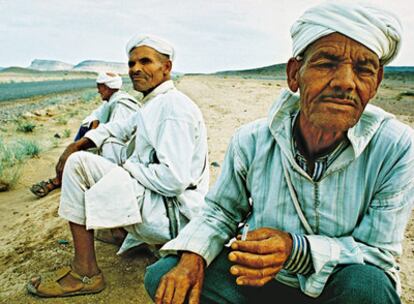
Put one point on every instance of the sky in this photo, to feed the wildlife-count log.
(208, 35)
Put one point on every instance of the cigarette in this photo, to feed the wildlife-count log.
(244, 233)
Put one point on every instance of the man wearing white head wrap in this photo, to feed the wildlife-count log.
(157, 43)
(154, 192)
(377, 29)
(326, 184)
(117, 105)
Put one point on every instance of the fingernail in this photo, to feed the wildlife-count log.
(232, 257)
(234, 270)
(234, 246)
(239, 282)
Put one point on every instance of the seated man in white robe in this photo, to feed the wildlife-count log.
(152, 194)
(117, 105)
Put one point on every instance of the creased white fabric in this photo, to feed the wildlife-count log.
(105, 207)
(377, 29)
(157, 43)
(111, 80)
(119, 107)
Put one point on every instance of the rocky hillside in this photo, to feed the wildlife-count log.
(84, 66)
(50, 65)
(101, 66)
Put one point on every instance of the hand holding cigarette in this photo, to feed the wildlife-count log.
(258, 259)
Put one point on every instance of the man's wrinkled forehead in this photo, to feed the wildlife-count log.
(338, 47)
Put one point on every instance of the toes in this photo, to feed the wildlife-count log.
(35, 281)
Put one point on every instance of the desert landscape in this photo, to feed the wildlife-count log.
(34, 239)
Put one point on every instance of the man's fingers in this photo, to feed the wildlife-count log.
(253, 281)
(239, 270)
(256, 261)
(260, 247)
(195, 294)
(159, 294)
(180, 293)
(169, 292)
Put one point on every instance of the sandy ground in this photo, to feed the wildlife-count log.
(30, 229)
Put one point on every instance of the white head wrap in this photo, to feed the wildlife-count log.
(377, 29)
(158, 44)
(111, 80)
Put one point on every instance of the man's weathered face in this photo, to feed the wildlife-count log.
(104, 91)
(148, 68)
(336, 78)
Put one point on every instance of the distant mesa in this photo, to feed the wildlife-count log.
(84, 66)
(101, 66)
(50, 65)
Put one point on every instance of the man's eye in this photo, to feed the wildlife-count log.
(364, 70)
(131, 64)
(145, 61)
(326, 65)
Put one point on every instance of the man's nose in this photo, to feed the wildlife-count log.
(344, 78)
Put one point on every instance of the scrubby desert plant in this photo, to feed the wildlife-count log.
(66, 133)
(61, 121)
(12, 157)
(27, 148)
(10, 166)
(25, 126)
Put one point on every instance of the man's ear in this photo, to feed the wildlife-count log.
(380, 76)
(167, 67)
(292, 70)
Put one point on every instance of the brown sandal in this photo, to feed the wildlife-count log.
(43, 188)
(50, 288)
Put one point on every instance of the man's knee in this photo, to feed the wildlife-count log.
(363, 284)
(75, 159)
(156, 271)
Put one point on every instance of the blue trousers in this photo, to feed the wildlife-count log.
(81, 132)
(351, 284)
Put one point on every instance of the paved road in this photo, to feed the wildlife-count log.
(11, 91)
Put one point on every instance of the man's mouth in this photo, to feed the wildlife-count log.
(339, 100)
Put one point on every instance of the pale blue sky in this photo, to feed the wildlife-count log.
(209, 35)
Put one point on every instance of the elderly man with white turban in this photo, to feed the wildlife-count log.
(153, 193)
(325, 184)
(117, 105)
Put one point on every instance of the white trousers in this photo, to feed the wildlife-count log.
(83, 170)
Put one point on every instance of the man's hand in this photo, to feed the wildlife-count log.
(259, 258)
(184, 280)
(94, 124)
(82, 144)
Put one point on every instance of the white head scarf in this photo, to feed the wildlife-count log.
(111, 80)
(377, 29)
(158, 44)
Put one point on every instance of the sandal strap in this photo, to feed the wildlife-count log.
(61, 273)
(83, 279)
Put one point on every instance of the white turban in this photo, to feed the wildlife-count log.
(158, 44)
(111, 80)
(377, 29)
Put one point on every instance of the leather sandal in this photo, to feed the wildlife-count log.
(50, 288)
(43, 188)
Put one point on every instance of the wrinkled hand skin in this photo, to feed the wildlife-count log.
(81, 144)
(184, 281)
(258, 259)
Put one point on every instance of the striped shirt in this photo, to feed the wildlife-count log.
(300, 258)
(358, 209)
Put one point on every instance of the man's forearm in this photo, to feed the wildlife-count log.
(83, 144)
